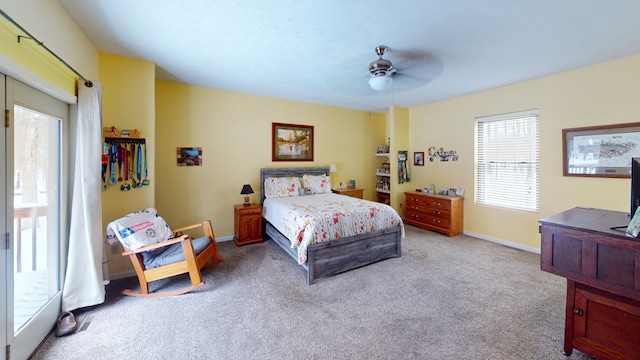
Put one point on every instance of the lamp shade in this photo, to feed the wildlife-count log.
(333, 168)
(380, 82)
(246, 189)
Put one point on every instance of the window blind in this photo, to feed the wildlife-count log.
(507, 168)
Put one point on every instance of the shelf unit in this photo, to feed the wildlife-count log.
(383, 183)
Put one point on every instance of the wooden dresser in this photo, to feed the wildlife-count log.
(438, 213)
(602, 267)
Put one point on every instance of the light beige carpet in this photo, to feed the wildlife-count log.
(445, 298)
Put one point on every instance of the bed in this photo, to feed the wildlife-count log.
(332, 257)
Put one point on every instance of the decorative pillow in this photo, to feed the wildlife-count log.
(138, 229)
(320, 184)
(277, 187)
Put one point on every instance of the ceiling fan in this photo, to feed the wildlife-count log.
(411, 69)
(381, 71)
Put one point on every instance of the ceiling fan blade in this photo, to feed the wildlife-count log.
(416, 71)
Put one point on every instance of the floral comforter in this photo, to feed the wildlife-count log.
(313, 219)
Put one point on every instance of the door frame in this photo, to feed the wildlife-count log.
(22, 343)
(4, 232)
(10, 68)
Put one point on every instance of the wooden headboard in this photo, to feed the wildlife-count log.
(287, 172)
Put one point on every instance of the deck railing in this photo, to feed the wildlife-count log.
(33, 213)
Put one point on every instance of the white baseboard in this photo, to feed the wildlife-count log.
(224, 238)
(503, 242)
(122, 275)
(132, 273)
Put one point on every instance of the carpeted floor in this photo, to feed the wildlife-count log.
(445, 298)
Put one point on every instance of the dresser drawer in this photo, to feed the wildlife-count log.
(250, 211)
(415, 216)
(417, 201)
(437, 221)
(439, 213)
(439, 204)
(418, 208)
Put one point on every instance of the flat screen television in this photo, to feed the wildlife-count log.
(635, 185)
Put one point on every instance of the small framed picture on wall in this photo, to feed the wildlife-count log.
(418, 158)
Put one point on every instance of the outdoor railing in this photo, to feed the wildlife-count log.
(33, 213)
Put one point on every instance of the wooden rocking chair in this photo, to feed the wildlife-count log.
(175, 256)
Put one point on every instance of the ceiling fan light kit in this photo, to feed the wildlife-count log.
(381, 70)
(380, 82)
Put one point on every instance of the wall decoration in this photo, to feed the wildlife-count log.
(600, 151)
(418, 158)
(291, 142)
(123, 159)
(442, 155)
(189, 156)
(403, 167)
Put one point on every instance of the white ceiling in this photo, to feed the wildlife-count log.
(319, 51)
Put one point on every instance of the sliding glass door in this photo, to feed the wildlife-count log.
(35, 214)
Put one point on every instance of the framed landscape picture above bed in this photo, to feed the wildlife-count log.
(291, 142)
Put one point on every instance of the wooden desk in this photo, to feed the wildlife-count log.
(602, 267)
(353, 192)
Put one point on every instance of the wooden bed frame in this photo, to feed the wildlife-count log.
(339, 255)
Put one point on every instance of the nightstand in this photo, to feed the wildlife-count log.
(247, 225)
(353, 192)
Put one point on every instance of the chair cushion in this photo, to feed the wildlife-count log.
(172, 254)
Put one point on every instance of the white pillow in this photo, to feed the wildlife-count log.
(277, 187)
(320, 184)
(139, 229)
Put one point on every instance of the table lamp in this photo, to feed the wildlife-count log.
(332, 169)
(246, 190)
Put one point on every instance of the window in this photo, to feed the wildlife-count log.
(507, 168)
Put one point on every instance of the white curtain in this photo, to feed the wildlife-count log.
(84, 279)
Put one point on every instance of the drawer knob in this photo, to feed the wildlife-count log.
(578, 311)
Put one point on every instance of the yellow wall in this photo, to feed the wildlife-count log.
(128, 103)
(607, 93)
(398, 133)
(48, 22)
(234, 132)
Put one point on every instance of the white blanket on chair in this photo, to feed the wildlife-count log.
(139, 229)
